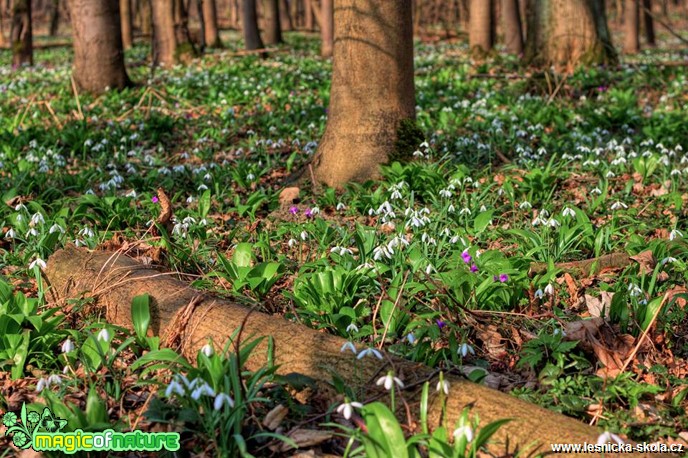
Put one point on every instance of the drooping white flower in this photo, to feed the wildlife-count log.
(222, 399)
(174, 387)
(347, 408)
(54, 379)
(352, 328)
(443, 385)
(37, 262)
(103, 335)
(42, 384)
(411, 338)
(389, 381)
(674, 234)
(549, 289)
(609, 437)
(463, 431)
(465, 349)
(348, 346)
(568, 212)
(67, 346)
(207, 350)
(369, 352)
(203, 389)
(618, 205)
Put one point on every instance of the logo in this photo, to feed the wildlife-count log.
(43, 432)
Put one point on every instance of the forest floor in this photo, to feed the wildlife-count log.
(520, 174)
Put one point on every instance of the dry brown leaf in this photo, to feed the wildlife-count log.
(583, 330)
(274, 418)
(646, 260)
(493, 342)
(572, 287)
(289, 196)
(306, 438)
(596, 305)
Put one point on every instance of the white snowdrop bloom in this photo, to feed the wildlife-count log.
(525, 205)
(352, 328)
(553, 223)
(396, 195)
(348, 346)
(304, 235)
(382, 251)
(634, 290)
(389, 381)
(465, 349)
(451, 208)
(483, 208)
(207, 350)
(190, 199)
(10, 234)
(369, 352)
(668, 260)
(37, 218)
(674, 234)
(424, 145)
(341, 206)
(54, 379)
(445, 193)
(411, 338)
(19, 207)
(442, 385)
(103, 335)
(429, 269)
(203, 389)
(42, 384)
(418, 153)
(618, 205)
(291, 243)
(86, 232)
(610, 174)
(250, 177)
(37, 262)
(549, 289)
(675, 172)
(465, 211)
(597, 191)
(606, 437)
(464, 431)
(568, 212)
(189, 220)
(315, 211)
(67, 346)
(208, 177)
(32, 232)
(347, 408)
(537, 221)
(221, 399)
(202, 188)
(56, 228)
(539, 293)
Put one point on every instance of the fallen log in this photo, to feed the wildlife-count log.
(585, 267)
(114, 279)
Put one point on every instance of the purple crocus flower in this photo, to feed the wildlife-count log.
(474, 268)
(154, 199)
(309, 213)
(293, 209)
(502, 278)
(467, 258)
(440, 323)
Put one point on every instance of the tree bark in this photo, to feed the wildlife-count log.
(114, 280)
(286, 22)
(164, 42)
(146, 16)
(372, 89)
(513, 33)
(327, 28)
(649, 23)
(481, 27)
(568, 33)
(249, 23)
(54, 18)
(98, 53)
(632, 27)
(273, 27)
(21, 36)
(127, 26)
(185, 48)
(308, 13)
(212, 34)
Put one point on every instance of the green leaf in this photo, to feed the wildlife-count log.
(243, 255)
(482, 220)
(384, 429)
(140, 314)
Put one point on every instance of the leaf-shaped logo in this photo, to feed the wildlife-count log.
(51, 423)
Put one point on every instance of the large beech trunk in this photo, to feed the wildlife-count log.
(249, 24)
(649, 23)
(568, 33)
(631, 27)
(145, 17)
(21, 35)
(273, 27)
(114, 280)
(513, 33)
(98, 54)
(164, 42)
(327, 28)
(481, 27)
(211, 29)
(372, 89)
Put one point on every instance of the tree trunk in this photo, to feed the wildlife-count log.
(372, 89)
(632, 27)
(184, 47)
(98, 54)
(234, 14)
(114, 280)
(21, 36)
(273, 28)
(165, 42)
(146, 15)
(127, 28)
(649, 23)
(481, 27)
(285, 16)
(249, 22)
(308, 13)
(513, 34)
(568, 33)
(327, 28)
(54, 17)
(212, 34)
(201, 24)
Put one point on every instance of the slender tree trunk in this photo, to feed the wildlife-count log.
(308, 13)
(285, 16)
(234, 14)
(327, 28)
(165, 42)
(273, 28)
(98, 53)
(481, 27)
(212, 34)
(3, 40)
(568, 33)
(249, 22)
(513, 35)
(201, 24)
(146, 15)
(372, 95)
(632, 27)
(127, 27)
(185, 48)
(649, 23)
(21, 36)
(54, 18)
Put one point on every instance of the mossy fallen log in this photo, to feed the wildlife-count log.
(114, 279)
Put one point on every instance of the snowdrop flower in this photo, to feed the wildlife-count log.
(607, 437)
(207, 350)
(19, 207)
(348, 346)
(525, 205)
(675, 233)
(291, 243)
(347, 408)
(369, 352)
(103, 335)
(37, 218)
(10, 234)
(67, 346)
(32, 232)
(539, 294)
(446, 193)
(617, 205)
(54, 380)
(37, 262)
(442, 385)
(568, 212)
(304, 235)
(174, 387)
(464, 211)
(429, 269)
(42, 384)
(667, 260)
(204, 389)
(56, 228)
(549, 289)
(341, 206)
(464, 431)
(389, 381)
(451, 209)
(222, 399)
(553, 223)
(410, 338)
(352, 328)
(610, 174)
(465, 349)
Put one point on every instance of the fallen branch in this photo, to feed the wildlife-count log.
(114, 280)
(586, 267)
